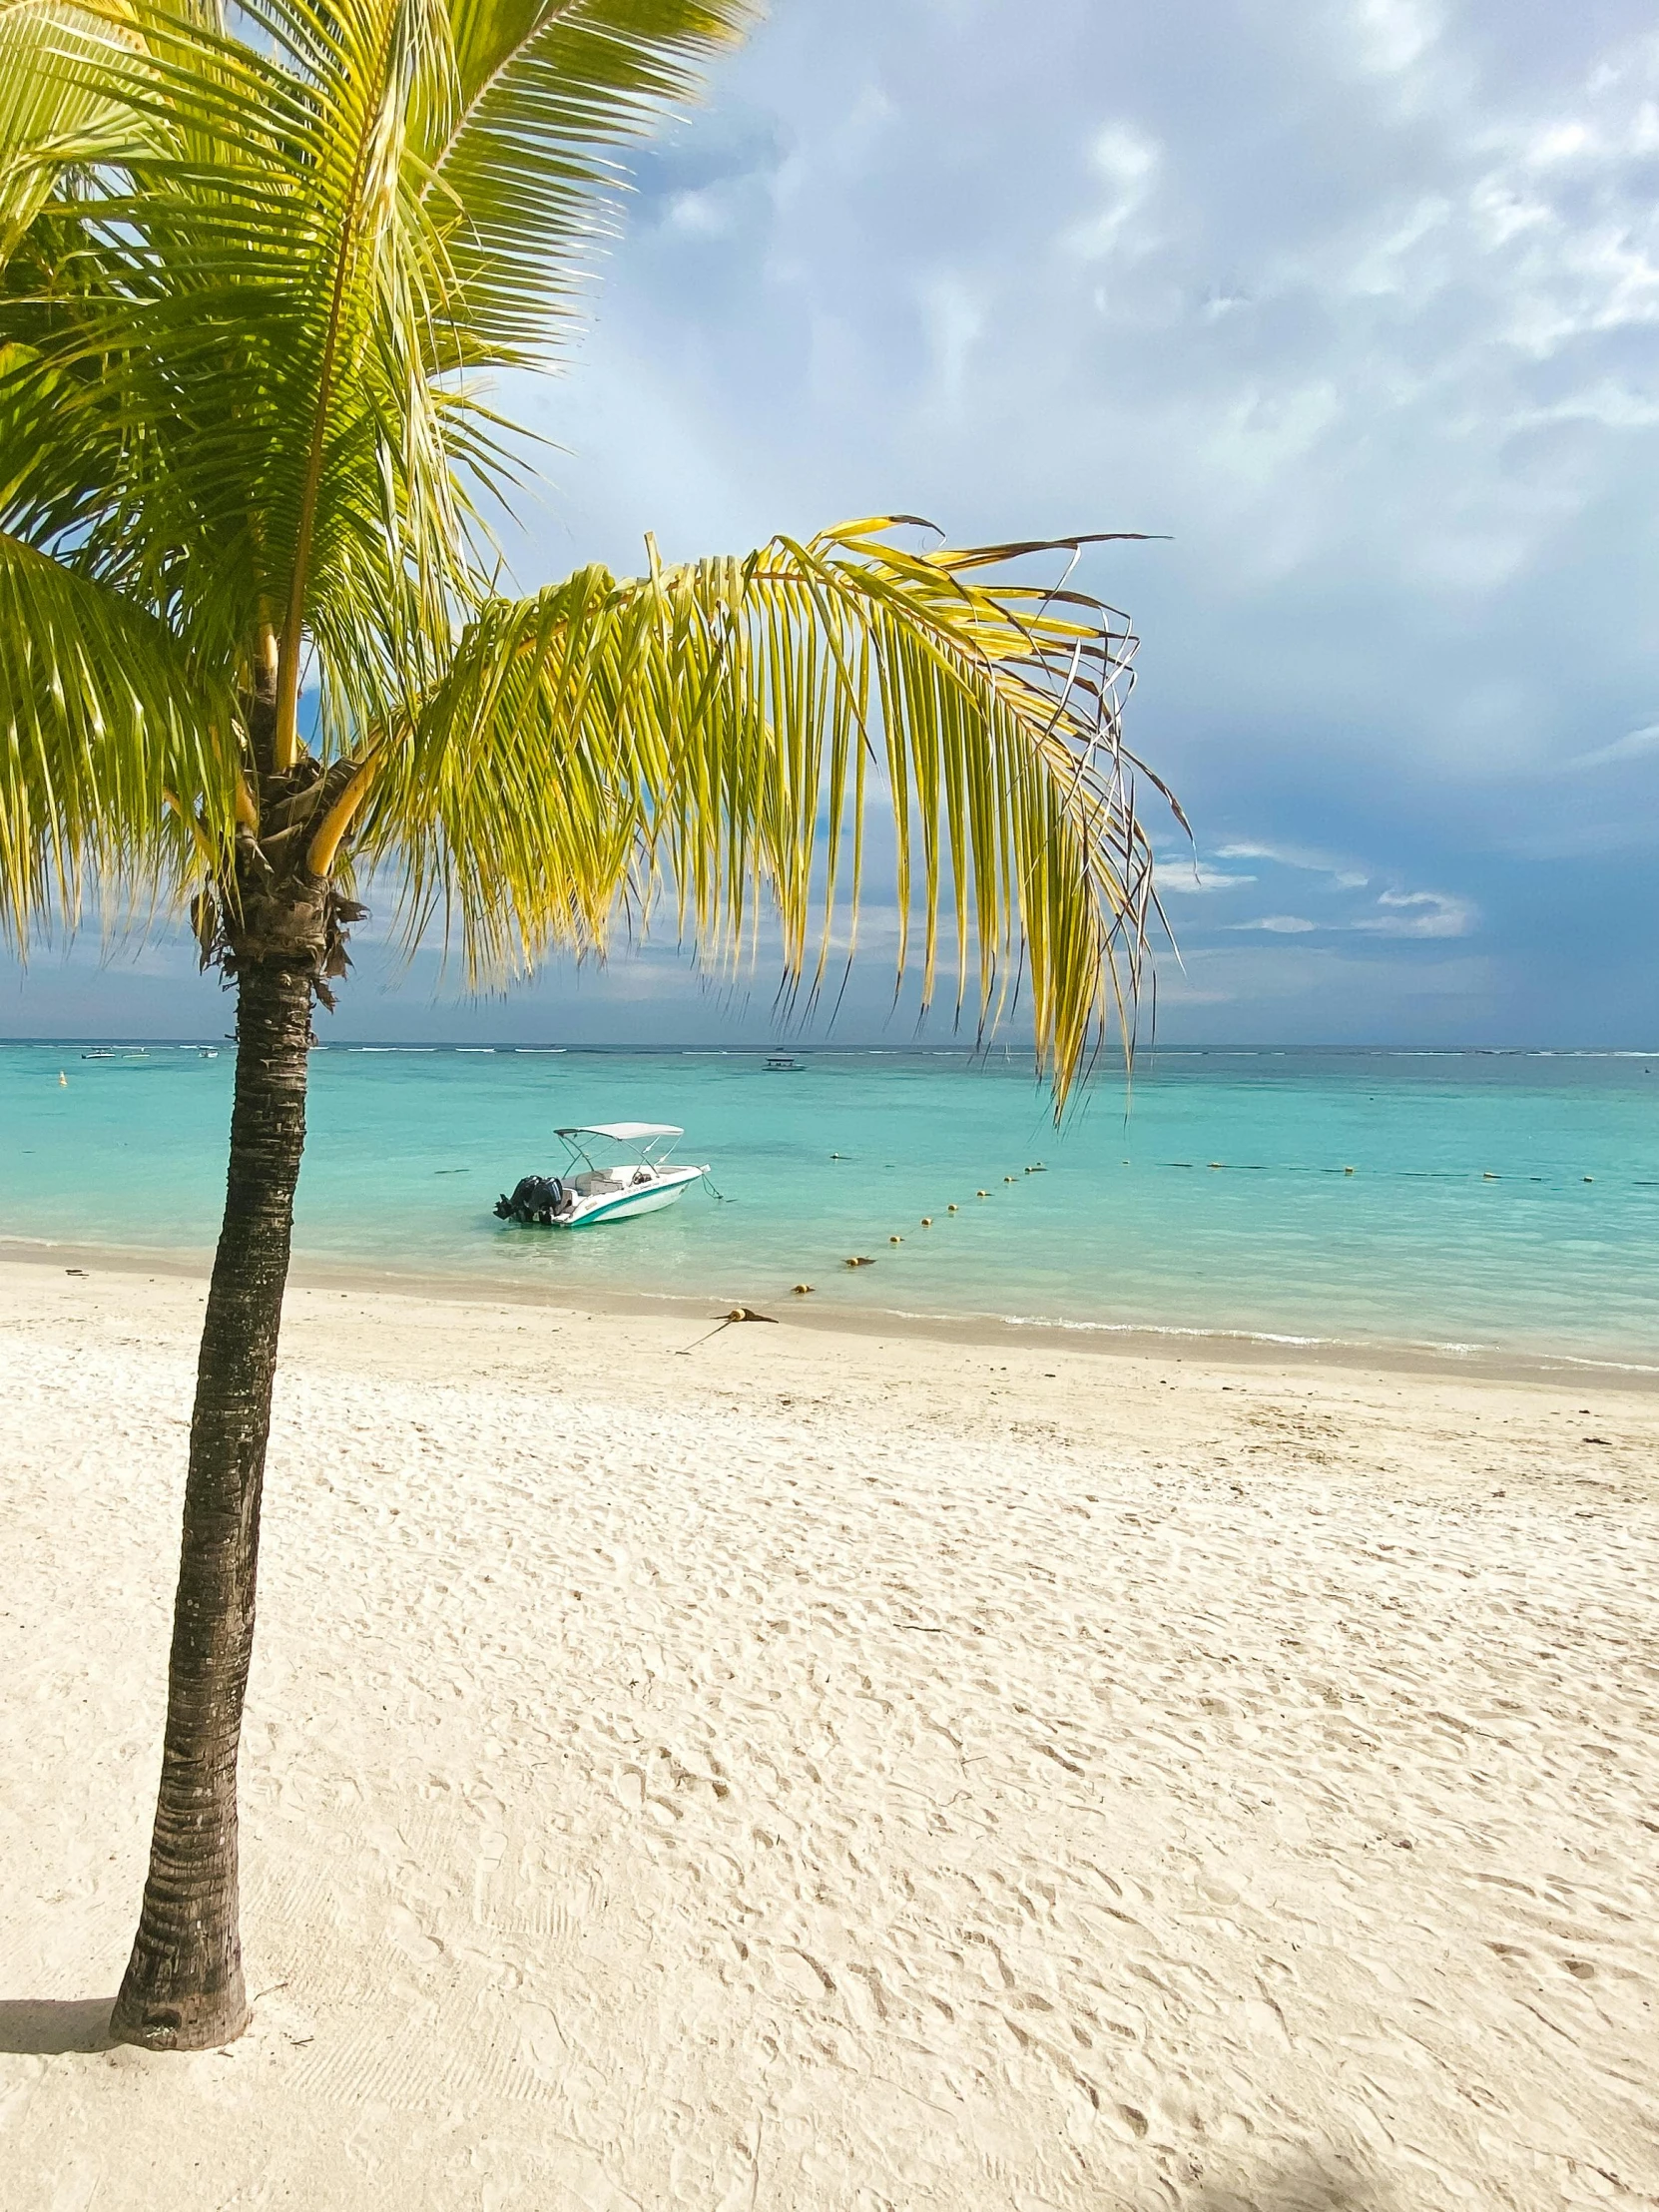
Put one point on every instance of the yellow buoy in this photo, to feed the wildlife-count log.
(951, 1209)
(895, 1240)
(927, 1219)
(802, 1290)
(981, 1194)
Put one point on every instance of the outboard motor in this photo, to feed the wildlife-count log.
(536, 1199)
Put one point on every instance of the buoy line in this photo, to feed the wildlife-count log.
(1256, 1167)
(1385, 1175)
(867, 1259)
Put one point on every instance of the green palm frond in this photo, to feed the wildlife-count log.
(524, 170)
(264, 310)
(113, 770)
(724, 724)
(52, 116)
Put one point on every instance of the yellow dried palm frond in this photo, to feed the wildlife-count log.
(725, 725)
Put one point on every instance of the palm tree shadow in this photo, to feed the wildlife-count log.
(45, 2027)
(1308, 2184)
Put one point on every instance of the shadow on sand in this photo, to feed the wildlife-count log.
(49, 2026)
(1306, 2185)
(46, 2026)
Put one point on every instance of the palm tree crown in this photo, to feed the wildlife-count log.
(257, 263)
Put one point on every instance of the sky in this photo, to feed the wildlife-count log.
(1356, 300)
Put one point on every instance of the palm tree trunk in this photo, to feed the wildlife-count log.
(183, 1988)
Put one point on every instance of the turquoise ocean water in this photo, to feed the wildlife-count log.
(1508, 1202)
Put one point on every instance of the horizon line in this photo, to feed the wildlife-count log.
(743, 1052)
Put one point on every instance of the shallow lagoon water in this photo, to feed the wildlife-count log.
(1505, 1202)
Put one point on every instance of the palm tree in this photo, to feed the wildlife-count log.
(256, 260)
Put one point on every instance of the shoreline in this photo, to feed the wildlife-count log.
(1098, 1340)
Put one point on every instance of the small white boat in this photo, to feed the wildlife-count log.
(609, 1188)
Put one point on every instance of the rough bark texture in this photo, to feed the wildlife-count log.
(183, 1988)
(278, 933)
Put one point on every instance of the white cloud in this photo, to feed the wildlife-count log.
(1269, 427)
(1344, 876)
(1391, 913)
(703, 214)
(1387, 267)
(1392, 36)
(1635, 745)
(1291, 992)
(955, 318)
(1360, 358)
(1126, 161)
(1418, 914)
(1185, 876)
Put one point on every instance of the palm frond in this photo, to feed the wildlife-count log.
(116, 764)
(524, 170)
(724, 725)
(326, 213)
(243, 309)
(53, 117)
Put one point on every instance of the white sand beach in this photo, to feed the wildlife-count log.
(835, 1771)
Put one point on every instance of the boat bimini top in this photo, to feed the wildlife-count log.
(624, 1132)
(646, 1141)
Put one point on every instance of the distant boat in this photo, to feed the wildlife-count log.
(783, 1063)
(142, 1051)
(617, 1190)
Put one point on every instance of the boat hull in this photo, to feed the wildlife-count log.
(648, 1198)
